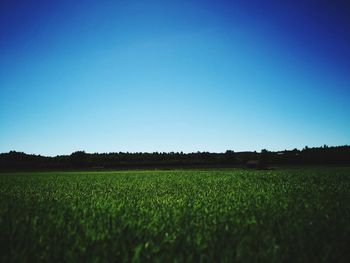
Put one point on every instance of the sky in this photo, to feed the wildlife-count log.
(145, 76)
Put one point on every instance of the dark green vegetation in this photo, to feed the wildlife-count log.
(19, 161)
(294, 215)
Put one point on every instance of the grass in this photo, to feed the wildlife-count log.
(282, 215)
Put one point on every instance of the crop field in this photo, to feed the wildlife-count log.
(222, 215)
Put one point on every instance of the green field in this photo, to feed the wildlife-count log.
(228, 215)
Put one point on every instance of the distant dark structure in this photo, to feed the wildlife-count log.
(325, 155)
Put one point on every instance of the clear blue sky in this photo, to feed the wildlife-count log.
(105, 76)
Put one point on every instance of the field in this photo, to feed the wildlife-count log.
(223, 215)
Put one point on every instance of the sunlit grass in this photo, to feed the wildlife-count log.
(185, 216)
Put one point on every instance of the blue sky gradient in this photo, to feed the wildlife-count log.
(106, 76)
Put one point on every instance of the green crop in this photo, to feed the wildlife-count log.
(233, 215)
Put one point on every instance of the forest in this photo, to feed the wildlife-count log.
(325, 155)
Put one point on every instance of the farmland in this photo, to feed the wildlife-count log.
(222, 215)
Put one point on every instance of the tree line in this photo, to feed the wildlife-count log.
(339, 155)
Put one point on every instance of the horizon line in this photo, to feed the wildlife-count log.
(181, 152)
